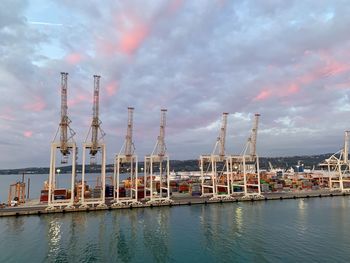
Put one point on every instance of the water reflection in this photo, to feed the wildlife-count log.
(239, 220)
(155, 233)
(14, 226)
(286, 231)
(56, 251)
(302, 217)
(124, 239)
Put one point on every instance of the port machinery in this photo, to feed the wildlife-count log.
(126, 161)
(96, 149)
(246, 165)
(215, 169)
(338, 167)
(66, 148)
(158, 160)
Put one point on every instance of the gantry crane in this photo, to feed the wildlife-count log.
(214, 167)
(158, 160)
(126, 162)
(67, 147)
(244, 168)
(338, 166)
(96, 148)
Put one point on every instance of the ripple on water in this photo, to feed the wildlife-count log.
(310, 230)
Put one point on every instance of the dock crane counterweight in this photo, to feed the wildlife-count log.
(66, 147)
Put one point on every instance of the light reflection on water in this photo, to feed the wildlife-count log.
(305, 230)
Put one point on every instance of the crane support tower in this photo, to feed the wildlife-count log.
(66, 148)
(126, 162)
(97, 151)
(158, 160)
(214, 168)
(244, 168)
(338, 166)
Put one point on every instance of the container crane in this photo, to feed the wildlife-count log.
(338, 166)
(66, 147)
(251, 169)
(158, 159)
(126, 162)
(95, 147)
(244, 168)
(214, 167)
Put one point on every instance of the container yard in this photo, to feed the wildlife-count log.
(221, 177)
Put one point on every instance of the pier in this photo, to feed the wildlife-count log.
(40, 209)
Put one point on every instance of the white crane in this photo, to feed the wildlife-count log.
(67, 147)
(158, 159)
(214, 167)
(338, 167)
(246, 166)
(126, 160)
(96, 147)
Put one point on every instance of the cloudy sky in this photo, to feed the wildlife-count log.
(287, 60)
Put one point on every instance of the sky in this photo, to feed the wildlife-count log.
(287, 60)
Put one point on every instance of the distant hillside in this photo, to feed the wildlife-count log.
(189, 165)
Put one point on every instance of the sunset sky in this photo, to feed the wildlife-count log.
(287, 60)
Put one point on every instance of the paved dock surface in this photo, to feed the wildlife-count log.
(40, 209)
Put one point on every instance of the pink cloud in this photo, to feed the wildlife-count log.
(80, 98)
(74, 58)
(132, 38)
(263, 95)
(131, 32)
(329, 67)
(6, 117)
(174, 5)
(7, 114)
(28, 134)
(291, 89)
(38, 105)
(112, 88)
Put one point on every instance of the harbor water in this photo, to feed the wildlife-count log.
(301, 230)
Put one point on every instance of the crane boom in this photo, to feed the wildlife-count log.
(64, 118)
(253, 136)
(222, 137)
(129, 145)
(160, 148)
(346, 146)
(95, 125)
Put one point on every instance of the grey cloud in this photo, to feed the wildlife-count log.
(197, 59)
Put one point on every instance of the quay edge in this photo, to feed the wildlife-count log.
(41, 209)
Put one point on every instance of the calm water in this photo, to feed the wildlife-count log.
(309, 230)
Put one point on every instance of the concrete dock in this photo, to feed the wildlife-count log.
(40, 209)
